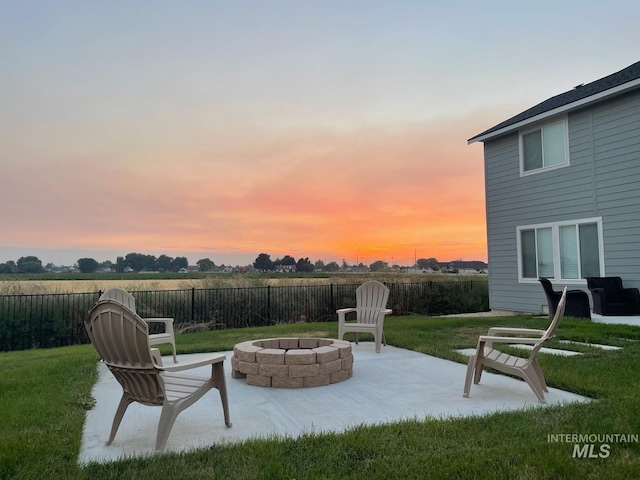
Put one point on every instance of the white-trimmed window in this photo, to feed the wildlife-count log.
(561, 251)
(544, 147)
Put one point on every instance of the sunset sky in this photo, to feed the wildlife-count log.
(324, 129)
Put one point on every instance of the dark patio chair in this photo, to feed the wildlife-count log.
(577, 301)
(611, 298)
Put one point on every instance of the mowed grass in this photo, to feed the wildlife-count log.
(45, 394)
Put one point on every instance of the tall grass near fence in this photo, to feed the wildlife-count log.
(54, 320)
(43, 321)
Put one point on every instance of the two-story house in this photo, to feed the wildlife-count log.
(562, 182)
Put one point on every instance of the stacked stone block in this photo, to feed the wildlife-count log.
(292, 362)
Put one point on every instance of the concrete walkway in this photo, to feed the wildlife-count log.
(394, 385)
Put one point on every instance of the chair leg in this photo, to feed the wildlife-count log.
(467, 381)
(220, 383)
(156, 357)
(540, 375)
(379, 338)
(478, 372)
(533, 382)
(173, 349)
(125, 401)
(167, 419)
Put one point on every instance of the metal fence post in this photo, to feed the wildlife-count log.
(332, 300)
(269, 303)
(193, 304)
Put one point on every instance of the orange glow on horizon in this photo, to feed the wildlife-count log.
(365, 196)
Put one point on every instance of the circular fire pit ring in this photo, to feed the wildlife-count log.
(292, 362)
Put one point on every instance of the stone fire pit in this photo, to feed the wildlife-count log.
(292, 362)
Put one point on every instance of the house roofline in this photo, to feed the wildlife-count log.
(556, 111)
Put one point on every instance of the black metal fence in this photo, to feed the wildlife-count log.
(54, 320)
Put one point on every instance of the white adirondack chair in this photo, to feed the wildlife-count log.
(127, 299)
(370, 310)
(121, 339)
(526, 368)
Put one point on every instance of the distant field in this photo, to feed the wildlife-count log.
(80, 286)
(77, 283)
(143, 282)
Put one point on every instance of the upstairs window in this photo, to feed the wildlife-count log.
(544, 148)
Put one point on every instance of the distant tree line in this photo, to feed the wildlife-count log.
(132, 262)
(138, 262)
(23, 265)
(287, 263)
(264, 263)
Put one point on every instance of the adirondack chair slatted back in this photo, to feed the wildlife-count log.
(121, 339)
(126, 299)
(371, 300)
(553, 326)
(121, 296)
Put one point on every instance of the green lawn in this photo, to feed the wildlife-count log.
(44, 395)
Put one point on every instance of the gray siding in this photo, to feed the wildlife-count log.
(602, 180)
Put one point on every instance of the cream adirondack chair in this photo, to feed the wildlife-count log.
(121, 339)
(526, 368)
(370, 310)
(127, 300)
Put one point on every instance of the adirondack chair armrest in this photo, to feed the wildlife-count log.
(195, 364)
(166, 321)
(490, 339)
(342, 313)
(516, 331)
(387, 311)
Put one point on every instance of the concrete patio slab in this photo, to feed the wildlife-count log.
(595, 345)
(393, 385)
(633, 320)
